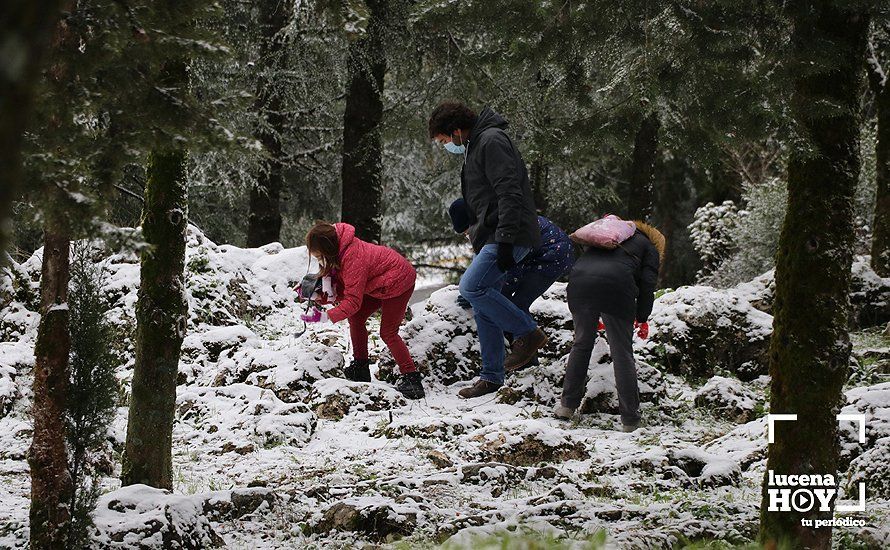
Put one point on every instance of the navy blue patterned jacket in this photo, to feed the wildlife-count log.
(554, 258)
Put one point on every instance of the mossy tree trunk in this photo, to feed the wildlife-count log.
(264, 219)
(808, 359)
(880, 246)
(51, 485)
(27, 28)
(362, 166)
(161, 318)
(642, 169)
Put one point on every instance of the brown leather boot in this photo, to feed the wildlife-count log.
(524, 349)
(480, 388)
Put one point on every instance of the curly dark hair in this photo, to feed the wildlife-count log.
(450, 116)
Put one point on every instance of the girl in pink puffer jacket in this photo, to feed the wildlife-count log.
(367, 277)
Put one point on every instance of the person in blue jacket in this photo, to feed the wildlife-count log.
(530, 278)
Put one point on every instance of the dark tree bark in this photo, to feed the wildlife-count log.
(264, 219)
(51, 485)
(27, 26)
(642, 169)
(808, 360)
(672, 213)
(161, 317)
(880, 246)
(539, 174)
(362, 148)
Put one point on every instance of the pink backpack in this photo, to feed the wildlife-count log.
(607, 232)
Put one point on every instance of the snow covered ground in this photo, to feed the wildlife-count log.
(273, 450)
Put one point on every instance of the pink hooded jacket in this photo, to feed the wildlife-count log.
(368, 268)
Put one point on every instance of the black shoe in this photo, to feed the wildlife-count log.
(481, 387)
(358, 370)
(410, 385)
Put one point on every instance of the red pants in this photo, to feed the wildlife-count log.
(392, 313)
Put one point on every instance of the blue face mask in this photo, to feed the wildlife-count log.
(455, 149)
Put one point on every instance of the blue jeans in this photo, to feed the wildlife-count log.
(494, 312)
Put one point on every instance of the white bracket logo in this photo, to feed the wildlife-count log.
(860, 418)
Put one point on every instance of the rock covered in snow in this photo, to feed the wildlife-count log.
(745, 444)
(523, 443)
(601, 395)
(241, 418)
(334, 398)
(551, 311)
(541, 385)
(425, 427)
(870, 468)
(227, 284)
(9, 392)
(698, 329)
(289, 372)
(869, 294)
(19, 298)
(143, 517)
(691, 466)
(378, 518)
(442, 341)
(727, 398)
(212, 343)
(874, 403)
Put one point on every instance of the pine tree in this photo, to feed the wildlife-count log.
(362, 169)
(879, 51)
(26, 26)
(93, 387)
(292, 91)
(264, 218)
(808, 361)
(107, 97)
(51, 486)
(161, 320)
(161, 307)
(642, 169)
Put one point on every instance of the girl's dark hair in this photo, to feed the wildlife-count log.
(450, 116)
(322, 238)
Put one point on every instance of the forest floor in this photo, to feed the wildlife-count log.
(273, 450)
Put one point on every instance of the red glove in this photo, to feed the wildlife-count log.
(642, 329)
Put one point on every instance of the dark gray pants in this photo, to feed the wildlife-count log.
(619, 332)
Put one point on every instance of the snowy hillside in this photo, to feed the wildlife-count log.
(272, 449)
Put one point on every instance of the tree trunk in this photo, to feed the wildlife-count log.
(362, 147)
(880, 246)
(539, 174)
(51, 485)
(642, 169)
(161, 317)
(672, 212)
(808, 360)
(27, 28)
(264, 219)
